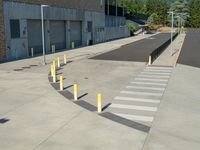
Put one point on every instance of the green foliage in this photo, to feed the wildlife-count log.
(159, 7)
(131, 26)
(157, 11)
(153, 19)
(181, 9)
(195, 14)
(134, 7)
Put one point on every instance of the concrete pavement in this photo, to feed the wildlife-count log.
(177, 124)
(35, 116)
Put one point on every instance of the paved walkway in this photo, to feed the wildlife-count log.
(34, 116)
(177, 123)
(169, 57)
(140, 99)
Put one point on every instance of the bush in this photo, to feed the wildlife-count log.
(132, 27)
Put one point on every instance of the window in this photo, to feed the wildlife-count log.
(15, 28)
(89, 26)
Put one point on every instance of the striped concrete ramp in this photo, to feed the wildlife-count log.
(140, 99)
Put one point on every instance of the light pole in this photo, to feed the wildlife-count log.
(172, 31)
(43, 42)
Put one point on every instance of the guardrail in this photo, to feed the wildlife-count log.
(156, 53)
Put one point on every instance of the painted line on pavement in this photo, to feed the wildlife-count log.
(145, 88)
(134, 107)
(162, 68)
(137, 99)
(155, 73)
(149, 83)
(156, 70)
(149, 79)
(154, 76)
(136, 117)
(141, 93)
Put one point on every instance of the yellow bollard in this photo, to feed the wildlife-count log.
(52, 70)
(32, 52)
(61, 83)
(99, 103)
(54, 63)
(65, 59)
(54, 76)
(53, 48)
(150, 60)
(73, 45)
(58, 61)
(75, 92)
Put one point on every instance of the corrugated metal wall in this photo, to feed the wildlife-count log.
(34, 36)
(75, 33)
(58, 34)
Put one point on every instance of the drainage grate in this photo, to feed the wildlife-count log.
(4, 120)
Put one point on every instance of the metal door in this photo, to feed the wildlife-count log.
(34, 36)
(58, 34)
(75, 33)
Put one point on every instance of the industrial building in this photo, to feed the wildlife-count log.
(64, 24)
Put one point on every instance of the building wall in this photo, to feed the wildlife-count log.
(91, 5)
(19, 47)
(66, 11)
(2, 33)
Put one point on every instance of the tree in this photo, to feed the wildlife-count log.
(181, 9)
(153, 19)
(195, 15)
(158, 7)
(135, 8)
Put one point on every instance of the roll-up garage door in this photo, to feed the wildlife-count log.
(34, 36)
(57, 34)
(75, 33)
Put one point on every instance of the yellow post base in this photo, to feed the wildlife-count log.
(53, 48)
(61, 83)
(58, 62)
(32, 52)
(54, 76)
(99, 103)
(150, 61)
(75, 92)
(73, 45)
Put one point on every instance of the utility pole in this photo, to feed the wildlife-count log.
(172, 31)
(43, 40)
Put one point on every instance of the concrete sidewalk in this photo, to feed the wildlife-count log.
(34, 116)
(75, 54)
(177, 124)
